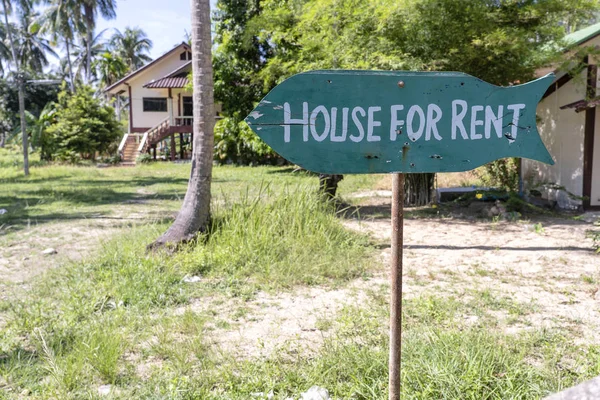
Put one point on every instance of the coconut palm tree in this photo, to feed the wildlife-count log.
(7, 8)
(98, 46)
(195, 211)
(91, 9)
(133, 46)
(110, 68)
(62, 20)
(4, 48)
(33, 48)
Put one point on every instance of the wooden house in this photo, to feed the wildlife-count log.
(160, 107)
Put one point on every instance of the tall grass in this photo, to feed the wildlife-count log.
(279, 240)
(73, 328)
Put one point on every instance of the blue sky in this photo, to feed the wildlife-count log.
(165, 22)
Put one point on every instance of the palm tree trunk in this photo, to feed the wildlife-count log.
(20, 83)
(89, 19)
(195, 211)
(68, 48)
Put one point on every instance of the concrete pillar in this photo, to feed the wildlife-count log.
(170, 107)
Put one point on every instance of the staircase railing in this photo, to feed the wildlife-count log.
(122, 145)
(154, 135)
(143, 142)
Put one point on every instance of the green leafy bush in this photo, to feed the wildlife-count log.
(67, 156)
(515, 203)
(236, 143)
(502, 173)
(82, 126)
(113, 159)
(144, 158)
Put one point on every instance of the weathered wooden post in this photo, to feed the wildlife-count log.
(368, 122)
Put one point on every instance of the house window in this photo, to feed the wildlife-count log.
(185, 56)
(155, 104)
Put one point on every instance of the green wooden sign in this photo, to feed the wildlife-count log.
(342, 122)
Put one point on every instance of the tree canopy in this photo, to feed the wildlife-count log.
(261, 43)
(82, 126)
(500, 41)
(132, 46)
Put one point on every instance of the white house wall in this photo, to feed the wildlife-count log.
(143, 119)
(563, 134)
(178, 95)
(595, 192)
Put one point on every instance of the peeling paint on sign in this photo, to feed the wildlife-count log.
(367, 122)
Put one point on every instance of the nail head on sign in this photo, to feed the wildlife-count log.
(400, 84)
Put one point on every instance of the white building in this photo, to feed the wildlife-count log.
(568, 128)
(160, 107)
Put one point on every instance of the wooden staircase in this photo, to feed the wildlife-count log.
(155, 135)
(128, 150)
(133, 145)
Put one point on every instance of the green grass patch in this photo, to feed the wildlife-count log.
(73, 328)
(292, 239)
(66, 193)
(125, 318)
(442, 359)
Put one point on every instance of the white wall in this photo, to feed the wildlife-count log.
(595, 193)
(176, 98)
(143, 119)
(563, 134)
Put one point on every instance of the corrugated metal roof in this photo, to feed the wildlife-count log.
(134, 73)
(168, 83)
(583, 35)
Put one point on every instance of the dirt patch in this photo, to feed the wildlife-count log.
(22, 254)
(298, 321)
(23, 258)
(548, 267)
(544, 274)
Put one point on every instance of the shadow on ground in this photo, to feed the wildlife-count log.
(75, 199)
(451, 214)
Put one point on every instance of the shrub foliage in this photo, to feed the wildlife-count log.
(83, 127)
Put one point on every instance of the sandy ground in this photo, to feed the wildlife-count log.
(22, 255)
(546, 265)
(549, 267)
(554, 270)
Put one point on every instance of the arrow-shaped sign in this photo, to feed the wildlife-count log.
(341, 122)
